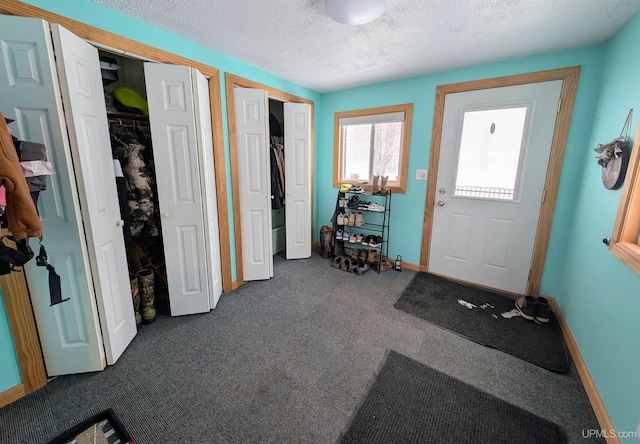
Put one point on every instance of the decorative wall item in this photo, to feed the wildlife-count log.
(613, 157)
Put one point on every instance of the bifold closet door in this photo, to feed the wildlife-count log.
(297, 152)
(208, 175)
(170, 94)
(254, 182)
(70, 333)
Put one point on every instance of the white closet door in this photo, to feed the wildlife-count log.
(255, 182)
(297, 149)
(69, 332)
(86, 116)
(175, 149)
(208, 175)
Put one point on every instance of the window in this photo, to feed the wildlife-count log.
(372, 142)
(625, 240)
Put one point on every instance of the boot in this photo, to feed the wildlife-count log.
(375, 189)
(384, 189)
(145, 279)
(135, 293)
(325, 241)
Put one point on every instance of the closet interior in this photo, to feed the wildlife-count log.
(276, 136)
(132, 149)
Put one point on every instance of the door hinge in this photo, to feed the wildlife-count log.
(559, 104)
(544, 195)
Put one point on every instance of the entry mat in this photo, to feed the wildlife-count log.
(409, 402)
(486, 317)
(103, 428)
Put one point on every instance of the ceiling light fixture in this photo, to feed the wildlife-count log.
(355, 12)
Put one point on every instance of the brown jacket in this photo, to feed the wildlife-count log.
(21, 212)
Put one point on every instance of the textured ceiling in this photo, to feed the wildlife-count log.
(294, 39)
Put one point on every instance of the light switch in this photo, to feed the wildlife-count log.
(421, 174)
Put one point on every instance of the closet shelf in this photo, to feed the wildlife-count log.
(125, 115)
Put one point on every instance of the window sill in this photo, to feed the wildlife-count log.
(629, 253)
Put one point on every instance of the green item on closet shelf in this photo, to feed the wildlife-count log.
(131, 99)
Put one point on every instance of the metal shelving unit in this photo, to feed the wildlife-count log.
(376, 223)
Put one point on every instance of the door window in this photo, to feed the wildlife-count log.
(491, 151)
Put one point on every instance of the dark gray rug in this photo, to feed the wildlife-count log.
(409, 402)
(445, 303)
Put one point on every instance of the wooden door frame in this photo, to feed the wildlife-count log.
(232, 80)
(15, 293)
(569, 77)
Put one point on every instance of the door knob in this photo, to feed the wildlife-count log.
(120, 223)
(166, 214)
(442, 191)
(440, 203)
(272, 197)
(288, 194)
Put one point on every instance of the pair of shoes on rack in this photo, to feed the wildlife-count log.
(340, 219)
(372, 241)
(534, 308)
(380, 185)
(356, 189)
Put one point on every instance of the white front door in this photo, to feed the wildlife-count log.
(297, 149)
(69, 332)
(176, 156)
(254, 182)
(208, 175)
(493, 162)
(86, 117)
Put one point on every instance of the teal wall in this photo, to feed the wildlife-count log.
(408, 209)
(597, 293)
(9, 370)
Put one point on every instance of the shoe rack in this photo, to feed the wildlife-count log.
(366, 221)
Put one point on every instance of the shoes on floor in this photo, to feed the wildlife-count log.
(360, 268)
(543, 310)
(533, 308)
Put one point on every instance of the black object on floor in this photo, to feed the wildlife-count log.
(444, 302)
(103, 427)
(409, 402)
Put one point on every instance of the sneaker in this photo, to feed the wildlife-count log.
(375, 242)
(352, 220)
(527, 306)
(356, 189)
(359, 238)
(365, 240)
(346, 235)
(339, 234)
(373, 256)
(353, 238)
(359, 220)
(355, 253)
(344, 265)
(342, 203)
(375, 207)
(353, 264)
(337, 262)
(340, 219)
(543, 310)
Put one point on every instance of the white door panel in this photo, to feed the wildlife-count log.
(86, 117)
(69, 332)
(208, 175)
(173, 130)
(254, 182)
(486, 235)
(297, 148)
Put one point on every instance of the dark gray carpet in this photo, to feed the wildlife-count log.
(436, 299)
(282, 361)
(411, 403)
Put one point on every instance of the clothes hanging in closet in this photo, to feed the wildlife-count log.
(277, 172)
(138, 171)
